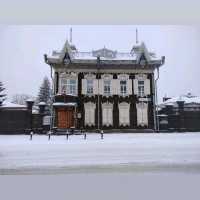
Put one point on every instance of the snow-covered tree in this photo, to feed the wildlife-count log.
(45, 91)
(21, 98)
(2, 94)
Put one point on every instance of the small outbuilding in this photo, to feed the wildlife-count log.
(180, 113)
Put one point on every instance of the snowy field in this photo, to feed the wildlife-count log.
(132, 153)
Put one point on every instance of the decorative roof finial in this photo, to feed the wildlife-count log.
(70, 39)
(136, 36)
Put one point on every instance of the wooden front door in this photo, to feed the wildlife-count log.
(65, 118)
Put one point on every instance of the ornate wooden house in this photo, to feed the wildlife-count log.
(104, 89)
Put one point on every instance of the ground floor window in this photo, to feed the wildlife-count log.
(89, 114)
(124, 114)
(107, 116)
(142, 114)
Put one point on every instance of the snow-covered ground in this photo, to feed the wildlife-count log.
(115, 153)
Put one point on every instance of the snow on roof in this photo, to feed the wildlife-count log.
(64, 104)
(34, 111)
(7, 104)
(91, 56)
(104, 54)
(30, 100)
(188, 99)
(42, 103)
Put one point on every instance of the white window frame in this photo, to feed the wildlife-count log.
(66, 86)
(123, 88)
(90, 86)
(141, 77)
(107, 87)
(141, 88)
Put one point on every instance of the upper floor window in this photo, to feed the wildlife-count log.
(72, 86)
(89, 86)
(68, 86)
(123, 87)
(141, 88)
(107, 84)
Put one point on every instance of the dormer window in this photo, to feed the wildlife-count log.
(123, 87)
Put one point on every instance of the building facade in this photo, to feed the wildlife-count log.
(104, 89)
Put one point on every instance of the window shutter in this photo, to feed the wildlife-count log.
(129, 86)
(147, 87)
(95, 86)
(104, 116)
(113, 86)
(86, 116)
(145, 114)
(142, 114)
(124, 117)
(84, 86)
(110, 120)
(135, 86)
(89, 114)
(118, 92)
(101, 89)
(92, 115)
(139, 114)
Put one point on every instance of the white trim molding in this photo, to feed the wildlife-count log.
(141, 77)
(65, 84)
(124, 114)
(89, 113)
(107, 114)
(107, 78)
(127, 87)
(142, 114)
(91, 77)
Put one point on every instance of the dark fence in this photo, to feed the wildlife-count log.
(21, 122)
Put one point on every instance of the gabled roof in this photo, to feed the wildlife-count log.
(142, 50)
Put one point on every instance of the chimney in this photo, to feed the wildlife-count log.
(42, 106)
(29, 103)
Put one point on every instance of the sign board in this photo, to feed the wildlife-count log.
(46, 120)
(144, 99)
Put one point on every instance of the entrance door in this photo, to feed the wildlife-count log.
(65, 118)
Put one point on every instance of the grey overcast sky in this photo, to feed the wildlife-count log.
(22, 66)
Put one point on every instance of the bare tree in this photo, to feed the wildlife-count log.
(21, 98)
